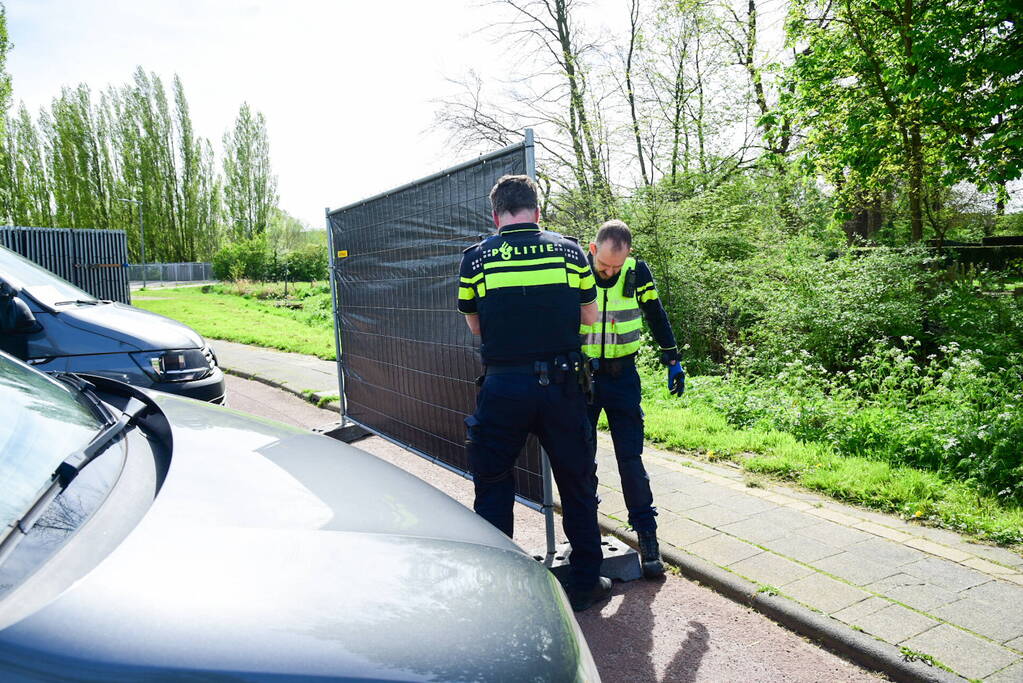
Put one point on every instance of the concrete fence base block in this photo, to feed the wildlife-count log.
(621, 563)
(343, 431)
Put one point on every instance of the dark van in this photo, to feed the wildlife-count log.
(55, 326)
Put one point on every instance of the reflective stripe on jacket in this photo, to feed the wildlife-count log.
(619, 320)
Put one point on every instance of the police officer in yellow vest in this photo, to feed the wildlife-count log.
(625, 295)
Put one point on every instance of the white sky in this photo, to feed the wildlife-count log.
(347, 87)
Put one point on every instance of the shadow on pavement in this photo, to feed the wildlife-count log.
(629, 618)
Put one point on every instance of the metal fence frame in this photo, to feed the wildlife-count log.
(93, 260)
(336, 268)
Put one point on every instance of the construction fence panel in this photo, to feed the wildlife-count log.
(93, 260)
(408, 362)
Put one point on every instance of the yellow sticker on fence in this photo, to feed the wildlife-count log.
(343, 253)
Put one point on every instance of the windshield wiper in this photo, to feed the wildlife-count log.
(66, 473)
(85, 390)
(90, 302)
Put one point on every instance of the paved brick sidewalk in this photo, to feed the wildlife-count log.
(928, 590)
(921, 588)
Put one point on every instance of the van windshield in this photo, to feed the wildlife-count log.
(43, 422)
(42, 285)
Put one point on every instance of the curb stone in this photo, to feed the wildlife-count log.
(858, 647)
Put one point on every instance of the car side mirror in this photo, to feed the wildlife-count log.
(15, 315)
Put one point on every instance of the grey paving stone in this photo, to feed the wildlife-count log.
(655, 470)
(966, 654)
(679, 501)
(824, 593)
(888, 552)
(707, 490)
(1010, 674)
(714, 515)
(745, 504)
(987, 552)
(997, 593)
(723, 550)
(853, 567)
(611, 502)
(1016, 644)
(790, 520)
(754, 529)
(801, 548)
(895, 623)
(726, 471)
(890, 521)
(914, 592)
(943, 536)
(852, 613)
(804, 495)
(663, 485)
(945, 574)
(998, 622)
(835, 535)
(770, 570)
(682, 533)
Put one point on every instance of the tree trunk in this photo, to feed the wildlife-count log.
(633, 26)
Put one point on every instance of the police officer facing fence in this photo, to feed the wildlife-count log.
(625, 295)
(525, 292)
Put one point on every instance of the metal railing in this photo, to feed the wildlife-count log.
(161, 273)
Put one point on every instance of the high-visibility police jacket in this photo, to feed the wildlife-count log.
(623, 302)
(526, 285)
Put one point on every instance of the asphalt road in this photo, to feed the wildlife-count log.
(671, 630)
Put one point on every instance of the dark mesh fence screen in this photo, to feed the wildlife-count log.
(408, 359)
(93, 260)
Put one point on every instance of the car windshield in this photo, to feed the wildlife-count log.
(42, 285)
(43, 422)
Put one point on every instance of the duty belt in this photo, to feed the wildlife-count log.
(614, 367)
(560, 369)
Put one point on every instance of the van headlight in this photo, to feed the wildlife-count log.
(176, 365)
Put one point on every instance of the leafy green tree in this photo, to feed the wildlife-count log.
(919, 93)
(5, 78)
(198, 186)
(78, 168)
(24, 186)
(250, 187)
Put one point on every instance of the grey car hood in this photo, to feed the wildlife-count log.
(271, 551)
(132, 326)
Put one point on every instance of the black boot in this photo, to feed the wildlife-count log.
(584, 599)
(650, 555)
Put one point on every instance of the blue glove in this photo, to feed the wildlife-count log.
(676, 379)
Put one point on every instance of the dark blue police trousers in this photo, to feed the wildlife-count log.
(619, 398)
(508, 408)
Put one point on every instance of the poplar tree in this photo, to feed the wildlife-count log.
(250, 187)
(5, 78)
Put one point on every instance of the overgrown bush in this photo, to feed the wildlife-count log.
(253, 259)
(978, 314)
(247, 259)
(946, 412)
(833, 306)
(307, 263)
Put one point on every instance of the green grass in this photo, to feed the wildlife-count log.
(690, 424)
(244, 320)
